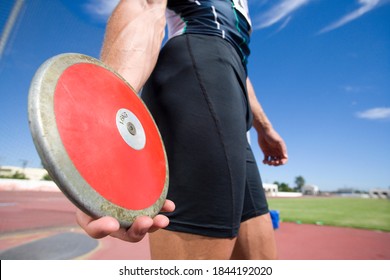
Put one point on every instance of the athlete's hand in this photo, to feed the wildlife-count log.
(102, 227)
(273, 147)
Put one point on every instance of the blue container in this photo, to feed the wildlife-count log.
(275, 218)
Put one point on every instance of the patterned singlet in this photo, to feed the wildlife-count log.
(228, 19)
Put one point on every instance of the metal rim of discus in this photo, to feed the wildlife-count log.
(55, 159)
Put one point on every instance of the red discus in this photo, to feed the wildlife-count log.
(97, 139)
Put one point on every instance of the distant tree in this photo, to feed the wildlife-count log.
(299, 183)
(19, 175)
(47, 178)
(283, 187)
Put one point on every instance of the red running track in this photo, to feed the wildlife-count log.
(28, 216)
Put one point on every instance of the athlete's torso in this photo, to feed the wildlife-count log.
(228, 19)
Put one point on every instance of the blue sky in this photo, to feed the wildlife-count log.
(320, 68)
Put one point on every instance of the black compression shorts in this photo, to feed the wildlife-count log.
(197, 95)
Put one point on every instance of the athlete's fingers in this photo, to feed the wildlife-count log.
(137, 231)
(169, 206)
(275, 160)
(97, 228)
(159, 222)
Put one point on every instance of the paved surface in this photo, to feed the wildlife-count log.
(41, 225)
(61, 246)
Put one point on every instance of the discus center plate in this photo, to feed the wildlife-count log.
(130, 128)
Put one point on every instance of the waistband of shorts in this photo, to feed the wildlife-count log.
(213, 39)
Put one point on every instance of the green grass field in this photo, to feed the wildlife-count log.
(335, 211)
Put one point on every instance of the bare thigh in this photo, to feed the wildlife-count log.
(170, 245)
(256, 240)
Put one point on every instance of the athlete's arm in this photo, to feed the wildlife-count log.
(272, 145)
(133, 39)
(131, 45)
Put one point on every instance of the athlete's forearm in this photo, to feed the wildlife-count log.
(260, 119)
(133, 39)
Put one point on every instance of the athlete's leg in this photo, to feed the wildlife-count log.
(169, 245)
(256, 240)
(201, 110)
(256, 234)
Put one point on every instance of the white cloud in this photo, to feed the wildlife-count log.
(375, 113)
(349, 88)
(278, 12)
(100, 9)
(365, 7)
(358, 88)
(285, 23)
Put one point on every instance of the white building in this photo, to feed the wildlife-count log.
(270, 189)
(35, 174)
(310, 190)
(379, 193)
